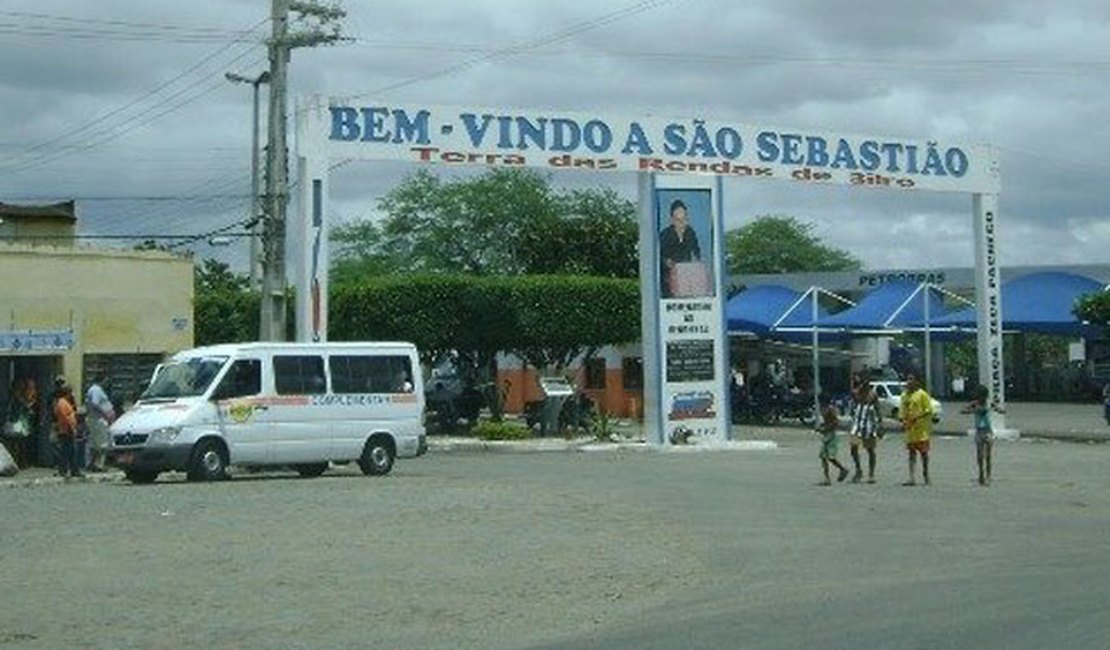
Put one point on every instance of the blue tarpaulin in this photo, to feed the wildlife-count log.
(773, 311)
(891, 306)
(1038, 302)
(758, 308)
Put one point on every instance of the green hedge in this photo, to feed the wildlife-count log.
(538, 316)
(486, 430)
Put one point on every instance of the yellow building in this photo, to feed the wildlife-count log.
(75, 311)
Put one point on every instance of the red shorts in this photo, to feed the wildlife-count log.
(921, 446)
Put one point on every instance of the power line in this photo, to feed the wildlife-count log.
(113, 35)
(147, 198)
(1030, 66)
(84, 20)
(81, 129)
(112, 132)
(539, 42)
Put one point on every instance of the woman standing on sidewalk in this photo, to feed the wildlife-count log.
(65, 425)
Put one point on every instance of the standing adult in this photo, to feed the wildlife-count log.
(678, 243)
(917, 420)
(99, 414)
(65, 427)
(17, 424)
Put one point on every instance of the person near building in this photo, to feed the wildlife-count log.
(65, 427)
(1106, 402)
(917, 421)
(981, 408)
(865, 429)
(830, 421)
(99, 414)
(18, 424)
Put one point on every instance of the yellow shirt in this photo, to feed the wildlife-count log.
(917, 415)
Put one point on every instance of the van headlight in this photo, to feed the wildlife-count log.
(165, 435)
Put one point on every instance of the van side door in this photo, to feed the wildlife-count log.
(242, 412)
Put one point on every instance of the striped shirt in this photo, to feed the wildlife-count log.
(865, 419)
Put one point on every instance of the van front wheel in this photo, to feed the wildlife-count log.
(209, 462)
(377, 456)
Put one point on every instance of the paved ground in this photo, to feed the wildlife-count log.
(604, 549)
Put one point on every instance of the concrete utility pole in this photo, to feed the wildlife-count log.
(272, 326)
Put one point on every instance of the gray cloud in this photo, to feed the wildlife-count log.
(1027, 76)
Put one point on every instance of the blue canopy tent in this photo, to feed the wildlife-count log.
(757, 309)
(773, 311)
(891, 306)
(888, 309)
(1038, 302)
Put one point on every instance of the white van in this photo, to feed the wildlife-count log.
(296, 405)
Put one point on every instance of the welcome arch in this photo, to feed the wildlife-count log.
(681, 164)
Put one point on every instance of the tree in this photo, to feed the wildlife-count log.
(466, 225)
(782, 244)
(1094, 308)
(225, 310)
(595, 233)
(504, 222)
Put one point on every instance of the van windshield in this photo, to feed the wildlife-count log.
(188, 378)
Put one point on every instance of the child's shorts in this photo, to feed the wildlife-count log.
(868, 442)
(828, 449)
(920, 446)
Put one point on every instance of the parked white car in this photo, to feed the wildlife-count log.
(890, 399)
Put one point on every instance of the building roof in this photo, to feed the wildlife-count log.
(64, 211)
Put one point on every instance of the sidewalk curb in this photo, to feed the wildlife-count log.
(19, 481)
(455, 445)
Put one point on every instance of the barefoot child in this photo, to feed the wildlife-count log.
(984, 433)
(827, 429)
(917, 420)
(865, 429)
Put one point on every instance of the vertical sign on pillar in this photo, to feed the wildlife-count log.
(692, 352)
(312, 235)
(988, 301)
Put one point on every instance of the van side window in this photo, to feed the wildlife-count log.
(371, 374)
(299, 375)
(243, 379)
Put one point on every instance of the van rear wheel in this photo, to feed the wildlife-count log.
(312, 470)
(377, 456)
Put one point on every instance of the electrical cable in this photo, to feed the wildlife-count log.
(83, 128)
(518, 48)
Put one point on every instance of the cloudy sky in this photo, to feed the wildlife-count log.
(123, 105)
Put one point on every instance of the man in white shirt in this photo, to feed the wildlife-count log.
(99, 413)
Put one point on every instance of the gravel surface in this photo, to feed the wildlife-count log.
(568, 549)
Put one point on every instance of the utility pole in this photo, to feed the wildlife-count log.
(323, 30)
(256, 199)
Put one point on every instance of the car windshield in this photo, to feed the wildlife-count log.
(187, 378)
(895, 389)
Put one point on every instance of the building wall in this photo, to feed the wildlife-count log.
(614, 398)
(116, 302)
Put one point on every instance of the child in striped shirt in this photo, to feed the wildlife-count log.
(865, 429)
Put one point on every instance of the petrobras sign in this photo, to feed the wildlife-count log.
(694, 145)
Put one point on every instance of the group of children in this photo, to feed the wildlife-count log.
(916, 415)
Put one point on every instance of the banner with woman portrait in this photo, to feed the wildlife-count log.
(692, 347)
